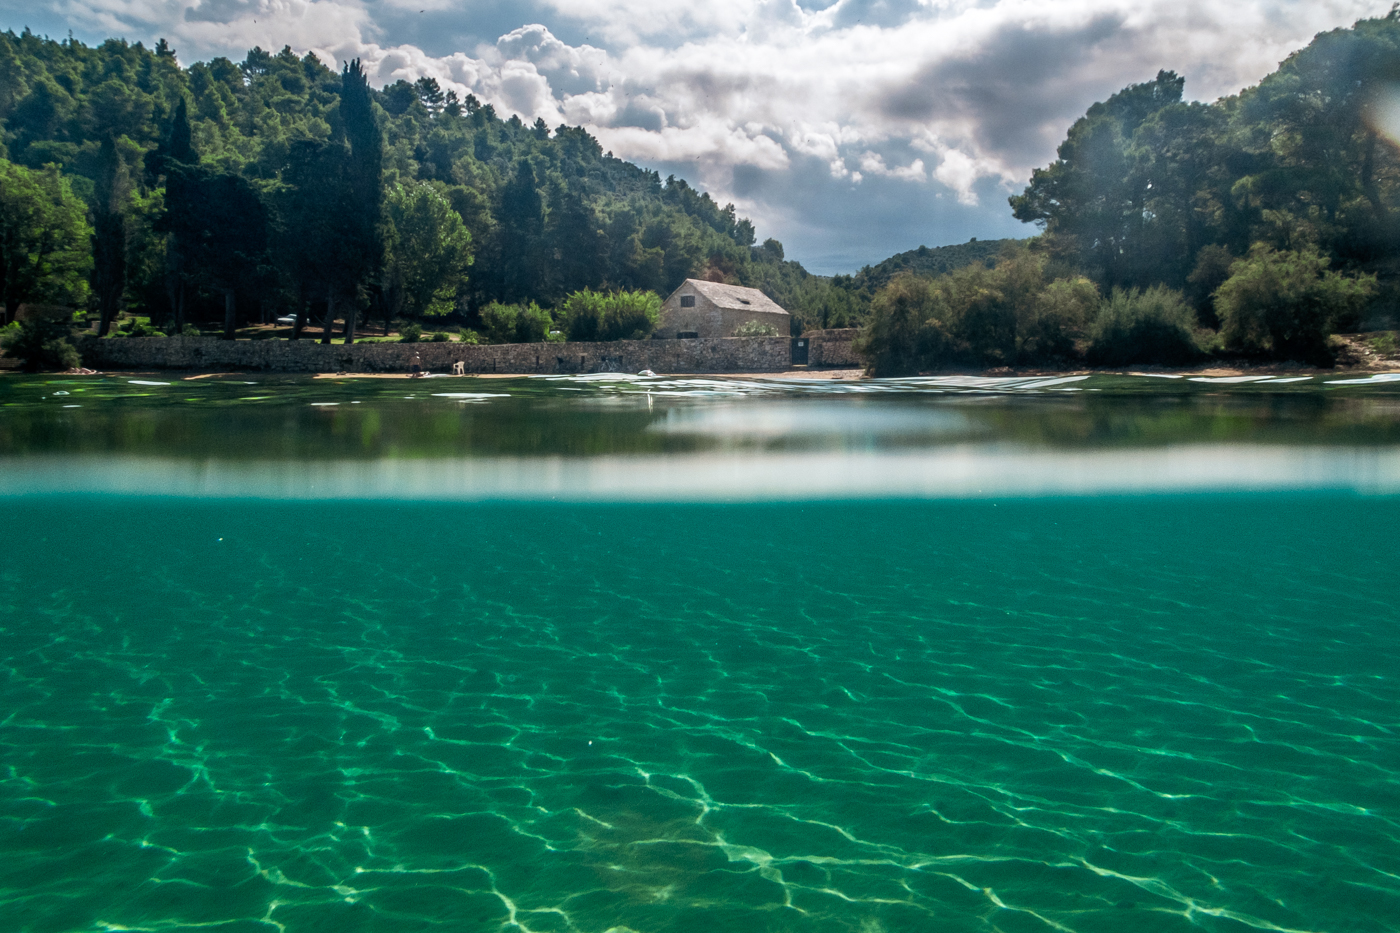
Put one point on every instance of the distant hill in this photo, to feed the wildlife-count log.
(929, 261)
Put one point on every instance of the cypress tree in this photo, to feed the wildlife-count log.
(180, 164)
(365, 177)
(522, 233)
(109, 233)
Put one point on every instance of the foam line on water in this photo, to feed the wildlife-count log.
(950, 472)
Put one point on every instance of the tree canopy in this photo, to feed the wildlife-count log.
(1269, 214)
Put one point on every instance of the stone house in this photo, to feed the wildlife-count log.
(711, 309)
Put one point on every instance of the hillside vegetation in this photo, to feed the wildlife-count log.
(236, 191)
(1254, 226)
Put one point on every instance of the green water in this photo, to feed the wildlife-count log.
(243, 702)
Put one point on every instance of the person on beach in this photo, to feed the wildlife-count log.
(415, 370)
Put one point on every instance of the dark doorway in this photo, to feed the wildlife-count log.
(799, 351)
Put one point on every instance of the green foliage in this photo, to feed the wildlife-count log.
(441, 337)
(1012, 314)
(1385, 344)
(520, 323)
(617, 315)
(40, 344)
(1212, 269)
(1056, 320)
(110, 205)
(428, 251)
(755, 329)
(1146, 327)
(928, 262)
(1092, 197)
(137, 327)
(1149, 189)
(410, 333)
(1284, 303)
(45, 253)
(902, 335)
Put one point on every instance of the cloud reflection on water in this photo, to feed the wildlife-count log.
(951, 472)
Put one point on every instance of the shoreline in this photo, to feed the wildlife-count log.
(824, 375)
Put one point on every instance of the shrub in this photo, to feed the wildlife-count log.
(1285, 303)
(971, 304)
(137, 327)
(898, 338)
(410, 333)
(977, 316)
(755, 329)
(1152, 326)
(1212, 269)
(41, 344)
(441, 338)
(528, 323)
(619, 315)
(1056, 320)
(1385, 343)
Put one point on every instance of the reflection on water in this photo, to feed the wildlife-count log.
(611, 437)
(959, 471)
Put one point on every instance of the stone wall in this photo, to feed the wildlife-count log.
(833, 349)
(712, 355)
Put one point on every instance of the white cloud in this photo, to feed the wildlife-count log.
(872, 163)
(959, 172)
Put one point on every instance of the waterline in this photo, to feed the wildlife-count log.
(950, 472)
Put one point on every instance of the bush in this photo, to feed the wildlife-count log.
(1152, 326)
(136, 327)
(1212, 269)
(1056, 320)
(893, 342)
(441, 338)
(979, 313)
(40, 345)
(755, 329)
(1385, 343)
(977, 316)
(410, 333)
(527, 323)
(620, 315)
(1285, 303)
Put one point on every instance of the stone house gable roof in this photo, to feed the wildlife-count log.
(735, 297)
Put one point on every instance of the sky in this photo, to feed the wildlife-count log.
(849, 130)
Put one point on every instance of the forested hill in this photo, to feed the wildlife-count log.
(929, 261)
(548, 212)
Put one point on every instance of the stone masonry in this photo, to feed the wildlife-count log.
(711, 309)
(718, 355)
(833, 349)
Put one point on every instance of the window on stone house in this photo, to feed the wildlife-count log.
(687, 301)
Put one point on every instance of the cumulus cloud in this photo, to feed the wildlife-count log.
(807, 114)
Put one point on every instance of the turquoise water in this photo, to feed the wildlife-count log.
(246, 702)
